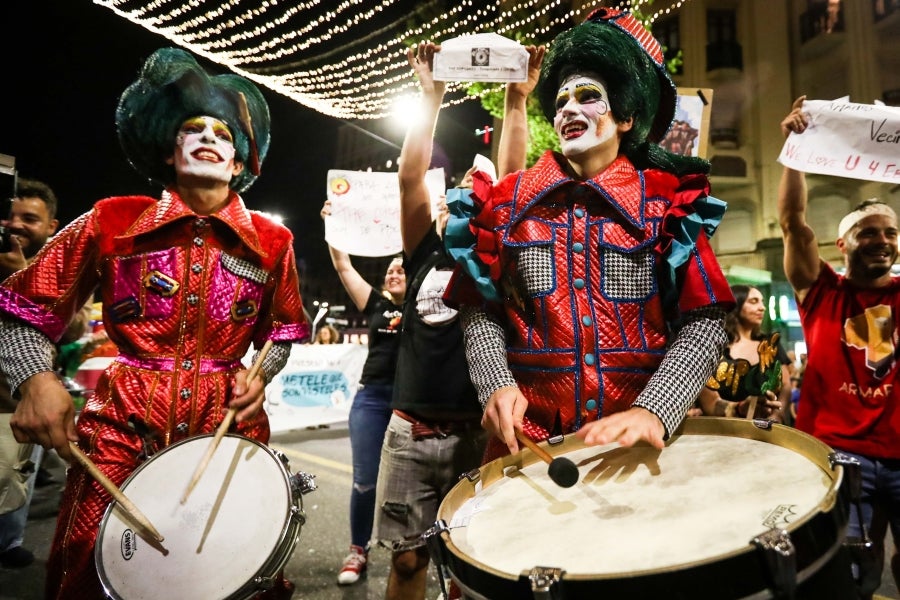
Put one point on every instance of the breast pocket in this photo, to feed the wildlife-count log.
(237, 288)
(627, 275)
(531, 246)
(145, 286)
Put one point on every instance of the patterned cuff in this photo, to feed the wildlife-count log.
(688, 364)
(274, 362)
(24, 351)
(485, 353)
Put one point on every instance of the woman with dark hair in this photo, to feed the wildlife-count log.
(753, 367)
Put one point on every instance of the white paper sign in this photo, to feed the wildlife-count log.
(846, 139)
(365, 210)
(481, 57)
(316, 386)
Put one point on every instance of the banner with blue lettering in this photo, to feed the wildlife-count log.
(316, 387)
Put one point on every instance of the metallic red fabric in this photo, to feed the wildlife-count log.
(180, 290)
(585, 336)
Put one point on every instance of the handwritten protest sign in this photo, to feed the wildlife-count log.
(316, 386)
(846, 139)
(365, 210)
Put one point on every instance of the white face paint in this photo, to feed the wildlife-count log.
(583, 120)
(204, 148)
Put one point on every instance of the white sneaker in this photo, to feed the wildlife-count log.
(354, 566)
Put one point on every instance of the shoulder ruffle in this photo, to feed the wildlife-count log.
(469, 239)
(692, 211)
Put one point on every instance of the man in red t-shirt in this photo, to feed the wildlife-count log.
(849, 397)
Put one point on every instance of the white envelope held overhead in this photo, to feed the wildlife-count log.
(481, 57)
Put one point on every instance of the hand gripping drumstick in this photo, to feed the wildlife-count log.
(223, 427)
(562, 471)
(117, 494)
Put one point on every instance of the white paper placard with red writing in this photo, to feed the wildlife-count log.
(847, 139)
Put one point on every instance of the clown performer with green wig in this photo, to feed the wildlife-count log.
(188, 281)
(589, 293)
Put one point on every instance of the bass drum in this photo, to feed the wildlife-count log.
(236, 530)
(730, 508)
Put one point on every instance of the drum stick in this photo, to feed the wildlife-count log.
(562, 471)
(117, 494)
(751, 410)
(223, 427)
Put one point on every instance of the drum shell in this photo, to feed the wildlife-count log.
(817, 536)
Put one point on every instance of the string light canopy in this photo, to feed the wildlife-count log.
(344, 58)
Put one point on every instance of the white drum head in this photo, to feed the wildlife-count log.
(235, 518)
(638, 509)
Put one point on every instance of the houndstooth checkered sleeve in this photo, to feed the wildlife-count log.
(24, 351)
(274, 361)
(485, 353)
(688, 363)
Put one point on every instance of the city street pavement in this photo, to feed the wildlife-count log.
(323, 543)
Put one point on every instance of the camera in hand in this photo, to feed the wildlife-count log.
(5, 241)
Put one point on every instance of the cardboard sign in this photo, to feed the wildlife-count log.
(689, 134)
(365, 210)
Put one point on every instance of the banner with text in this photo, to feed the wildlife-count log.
(316, 387)
(365, 210)
(847, 139)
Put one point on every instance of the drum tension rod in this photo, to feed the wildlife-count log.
(861, 545)
(780, 560)
(436, 549)
(545, 583)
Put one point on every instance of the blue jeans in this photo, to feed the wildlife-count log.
(12, 524)
(880, 504)
(368, 420)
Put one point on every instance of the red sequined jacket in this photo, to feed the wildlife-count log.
(183, 296)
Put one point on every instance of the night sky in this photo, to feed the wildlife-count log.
(64, 65)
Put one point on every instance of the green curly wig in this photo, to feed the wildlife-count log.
(614, 46)
(171, 88)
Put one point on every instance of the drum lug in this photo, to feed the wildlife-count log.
(780, 560)
(545, 583)
(298, 515)
(764, 424)
(473, 476)
(303, 483)
(851, 471)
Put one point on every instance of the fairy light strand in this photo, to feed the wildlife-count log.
(347, 61)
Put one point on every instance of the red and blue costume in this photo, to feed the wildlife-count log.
(591, 283)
